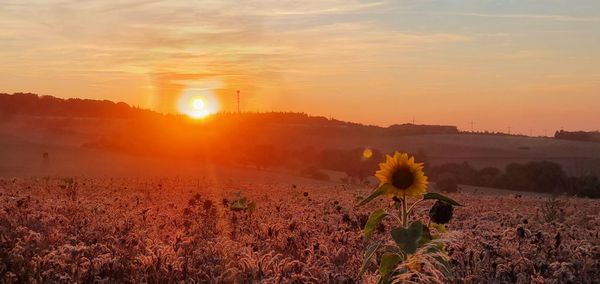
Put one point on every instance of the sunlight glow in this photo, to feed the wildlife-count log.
(197, 103)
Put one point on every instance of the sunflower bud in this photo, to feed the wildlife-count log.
(441, 212)
(520, 232)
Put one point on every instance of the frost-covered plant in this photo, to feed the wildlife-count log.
(70, 185)
(242, 203)
(552, 209)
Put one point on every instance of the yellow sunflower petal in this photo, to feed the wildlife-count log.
(417, 184)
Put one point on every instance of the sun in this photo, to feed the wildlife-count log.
(198, 104)
(198, 99)
(197, 108)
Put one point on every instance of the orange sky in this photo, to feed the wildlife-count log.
(524, 64)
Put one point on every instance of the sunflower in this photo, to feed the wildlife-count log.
(403, 176)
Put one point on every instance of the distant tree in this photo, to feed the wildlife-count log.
(544, 176)
(463, 172)
(487, 176)
(535, 176)
(447, 184)
(357, 165)
(588, 186)
(578, 135)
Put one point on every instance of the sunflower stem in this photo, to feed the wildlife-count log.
(412, 207)
(404, 212)
(400, 215)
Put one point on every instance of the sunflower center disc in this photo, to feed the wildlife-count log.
(403, 178)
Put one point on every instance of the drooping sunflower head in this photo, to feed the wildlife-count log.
(441, 212)
(403, 176)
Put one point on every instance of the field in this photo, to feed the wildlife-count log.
(180, 229)
(24, 139)
(87, 214)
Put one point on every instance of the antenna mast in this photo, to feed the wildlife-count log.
(238, 101)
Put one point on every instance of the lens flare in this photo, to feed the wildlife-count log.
(367, 154)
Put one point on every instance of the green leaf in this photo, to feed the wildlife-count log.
(408, 239)
(389, 261)
(376, 193)
(371, 249)
(425, 236)
(373, 222)
(437, 196)
(439, 227)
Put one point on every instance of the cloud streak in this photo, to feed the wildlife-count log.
(560, 18)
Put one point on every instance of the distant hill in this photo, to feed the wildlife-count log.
(592, 136)
(413, 129)
(29, 104)
(83, 135)
(34, 105)
(295, 140)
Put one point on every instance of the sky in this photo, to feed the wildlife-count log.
(531, 65)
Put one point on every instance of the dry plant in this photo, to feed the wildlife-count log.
(552, 209)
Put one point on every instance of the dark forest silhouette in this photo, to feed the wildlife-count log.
(29, 104)
(593, 136)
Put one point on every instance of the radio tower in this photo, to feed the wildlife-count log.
(238, 101)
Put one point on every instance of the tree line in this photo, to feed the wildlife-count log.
(537, 176)
(592, 136)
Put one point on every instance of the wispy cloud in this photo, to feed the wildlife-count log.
(560, 18)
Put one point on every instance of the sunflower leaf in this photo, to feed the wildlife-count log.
(389, 261)
(373, 222)
(408, 238)
(376, 193)
(425, 236)
(437, 196)
(371, 249)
